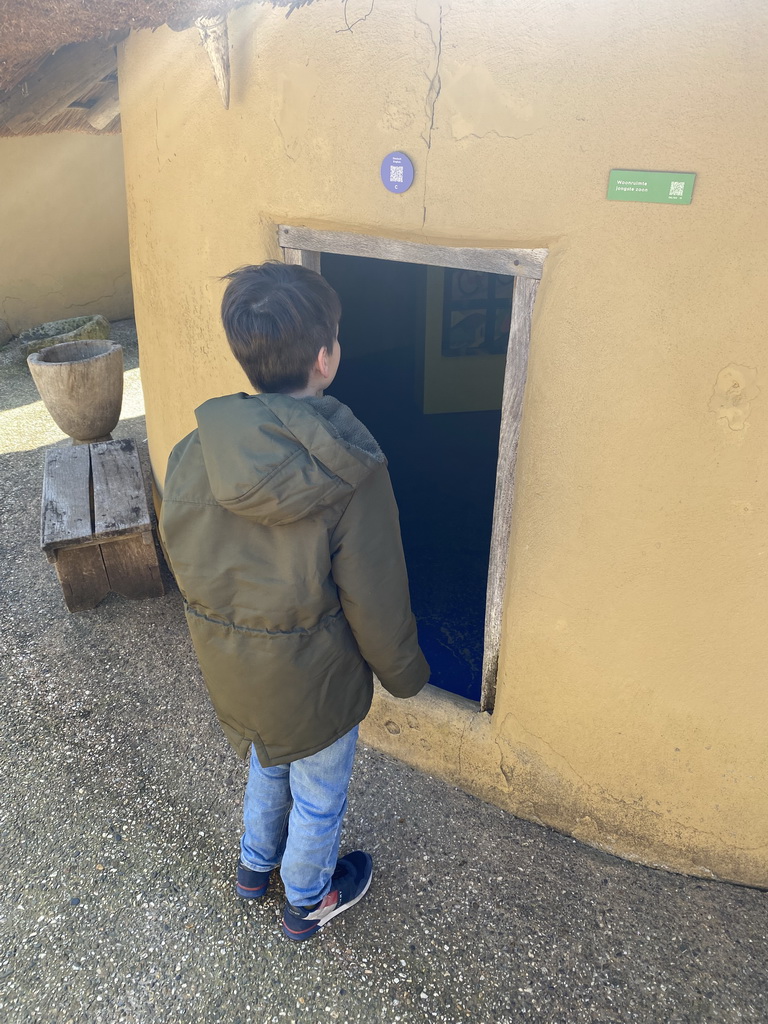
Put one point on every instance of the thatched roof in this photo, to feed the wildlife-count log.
(41, 39)
(31, 30)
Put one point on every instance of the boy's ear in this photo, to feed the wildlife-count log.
(323, 362)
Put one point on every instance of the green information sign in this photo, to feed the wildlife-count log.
(651, 186)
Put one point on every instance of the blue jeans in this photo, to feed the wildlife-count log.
(293, 814)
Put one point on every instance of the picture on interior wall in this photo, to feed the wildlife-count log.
(477, 309)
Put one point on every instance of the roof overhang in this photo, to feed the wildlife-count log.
(58, 58)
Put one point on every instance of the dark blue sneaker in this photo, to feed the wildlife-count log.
(350, 882)
(251, 885)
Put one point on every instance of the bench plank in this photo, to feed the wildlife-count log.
(119, 501)
(66, 507)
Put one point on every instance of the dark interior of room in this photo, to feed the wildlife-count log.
(443, 466)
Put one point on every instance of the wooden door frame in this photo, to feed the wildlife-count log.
(304, 246)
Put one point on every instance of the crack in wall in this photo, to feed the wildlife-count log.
(433, 92)
(109, 295)
(60, 291)
(357, 21)
(493, 131)
(10, 298)
(285, 141)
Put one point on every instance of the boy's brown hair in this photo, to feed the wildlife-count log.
(277, 318)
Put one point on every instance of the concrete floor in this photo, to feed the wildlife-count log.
(119, 828)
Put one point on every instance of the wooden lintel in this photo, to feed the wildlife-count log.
(520, 262)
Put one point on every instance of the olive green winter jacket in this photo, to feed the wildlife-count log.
(280, 524)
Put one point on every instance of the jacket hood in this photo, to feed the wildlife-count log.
(277, 459)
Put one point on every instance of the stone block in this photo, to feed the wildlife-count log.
(76, 328)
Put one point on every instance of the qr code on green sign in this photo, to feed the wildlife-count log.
(676, 189)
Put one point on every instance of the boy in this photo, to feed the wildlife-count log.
(281, 528)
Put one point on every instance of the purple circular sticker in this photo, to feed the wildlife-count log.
(397, 172)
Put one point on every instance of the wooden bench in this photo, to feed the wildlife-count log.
(95, 525)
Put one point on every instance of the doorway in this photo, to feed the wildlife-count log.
(423, 353)
(305, 246)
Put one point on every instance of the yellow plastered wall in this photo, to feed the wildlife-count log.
(632, 703)
(64, 229)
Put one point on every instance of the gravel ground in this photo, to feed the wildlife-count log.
(120, 823)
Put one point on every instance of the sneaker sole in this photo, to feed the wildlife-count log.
(253, 894)
(330, 917)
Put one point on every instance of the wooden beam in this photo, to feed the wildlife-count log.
(82, 576)
(515, 375)
(59, 81)
(302, 258)
(520, 262)
(132, 568)
(215, 39)
(106, 108)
